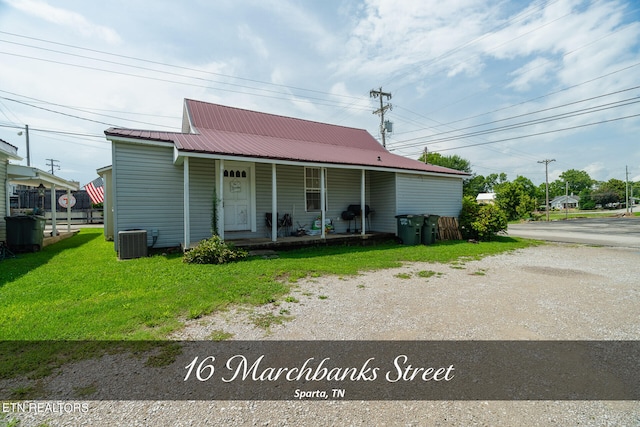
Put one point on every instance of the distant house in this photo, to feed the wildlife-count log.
(486, 198)
(255, 165)
(565, 202)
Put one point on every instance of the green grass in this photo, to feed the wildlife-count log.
(78, 290)
(561, 215)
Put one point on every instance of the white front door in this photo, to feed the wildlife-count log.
(237, 197)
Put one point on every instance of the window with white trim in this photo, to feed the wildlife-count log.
(312, 189)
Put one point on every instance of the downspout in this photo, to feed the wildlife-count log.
(54, 231)
(362, 203)
(220, 195)
(69, 210)
(274, 204)
(187, 222)
(322, 204)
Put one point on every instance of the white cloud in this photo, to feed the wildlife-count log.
(66, 18)
(257, 44)
(532, 72)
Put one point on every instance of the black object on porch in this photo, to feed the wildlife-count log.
(283, 223)
(354, 211)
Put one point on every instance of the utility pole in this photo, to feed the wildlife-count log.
(626, 188)
(546, 180)
(53, 164)
(566, 200)
(379, 94)
(26, 132)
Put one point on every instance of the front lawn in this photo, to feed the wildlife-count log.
(78, 290)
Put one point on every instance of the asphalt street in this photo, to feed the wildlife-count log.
(616, 231)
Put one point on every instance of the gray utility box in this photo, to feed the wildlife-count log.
(132, 244)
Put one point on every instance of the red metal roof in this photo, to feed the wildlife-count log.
(223, 130)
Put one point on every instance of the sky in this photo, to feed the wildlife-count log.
(503, 84)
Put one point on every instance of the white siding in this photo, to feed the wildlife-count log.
(148, 192)
(343, 189)
(428, 195)
(383, 201)
(3, 197)
(201, 187)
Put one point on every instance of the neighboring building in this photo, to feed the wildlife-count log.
(486, 198)
(256, 163)
(28, 176)
(7, 152)
(565, 202)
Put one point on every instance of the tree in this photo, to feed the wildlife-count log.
(586, 200)
(517, 198)
(578, 180)
(481, 222)
(610, 192)
(480, 184)
(452, 162)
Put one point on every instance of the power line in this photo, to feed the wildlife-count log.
(78, 109)
(530, 113)
(163, 64)
(540, 133)
(575, 113)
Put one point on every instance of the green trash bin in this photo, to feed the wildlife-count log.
(25, 232)
(410, 228)
(429, 229)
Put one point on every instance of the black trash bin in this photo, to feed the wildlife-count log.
(410, 228)
(25, 232)
(429, 229)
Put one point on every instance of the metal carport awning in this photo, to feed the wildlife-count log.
(33, 177)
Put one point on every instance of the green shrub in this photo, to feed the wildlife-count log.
(490, 221)
(481, 222)
(468, 214)
(214, 251)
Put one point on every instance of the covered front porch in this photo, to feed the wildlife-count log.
(252, 200)
(296, 242)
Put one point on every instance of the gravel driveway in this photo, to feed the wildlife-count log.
(549, 292)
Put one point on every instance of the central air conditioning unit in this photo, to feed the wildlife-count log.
(132, 244)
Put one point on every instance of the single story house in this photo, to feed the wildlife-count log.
(565, 202)
(486, 198)
(253, 167)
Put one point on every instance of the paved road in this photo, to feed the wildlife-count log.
(618, 232)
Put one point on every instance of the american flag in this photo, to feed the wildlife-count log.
(95, 189)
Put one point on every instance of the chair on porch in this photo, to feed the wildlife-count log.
(283, 224)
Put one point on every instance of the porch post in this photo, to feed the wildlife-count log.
(274, 204)
(54, 231)
(322, 204)
(187, 223)
(69, 210)
(362, 204)
(220, 195)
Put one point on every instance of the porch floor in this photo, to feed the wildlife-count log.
(292, 242)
